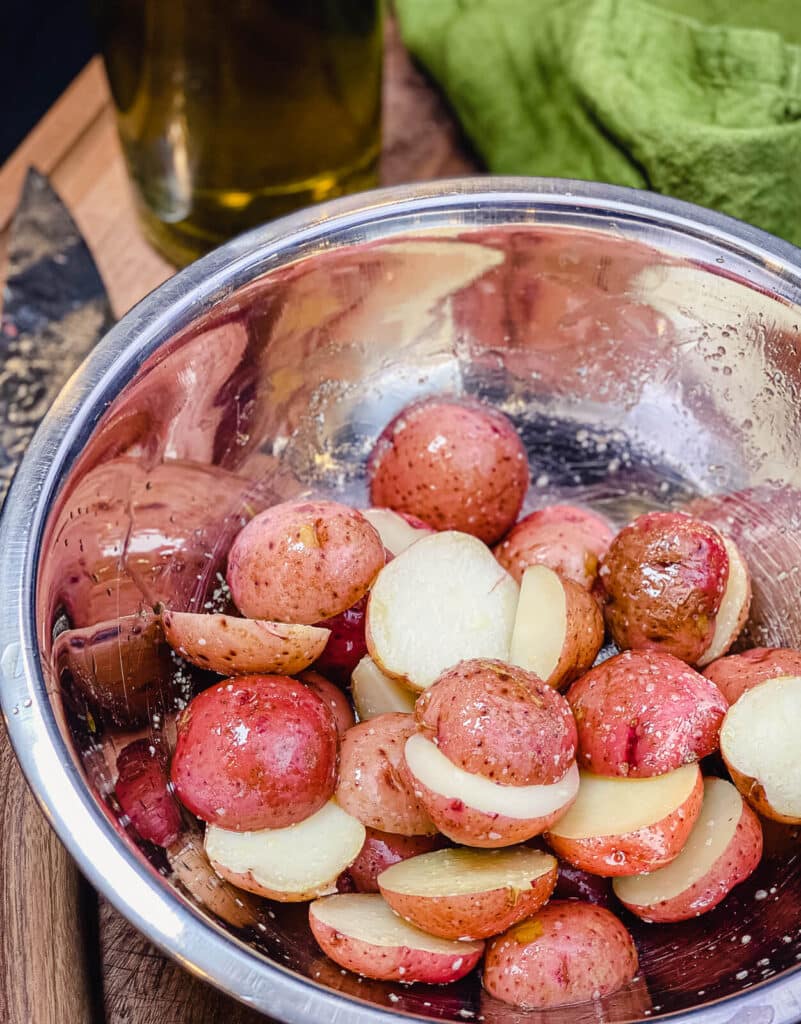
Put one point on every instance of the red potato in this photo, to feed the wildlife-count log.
(759, 743)
(375, 693)
(567, 953)
(475, 811)
(456, 465)
(570, 540)
(663, 580)
(383, 849)
(574, 884)
(332, 696)
(558, 629)
(442, 600)
(292, 864)
(500, 722)
(371, 785)
(723, 849)
(644, 713)
(144, 794)
(736, 673)
(255, 752)
(358, 931)
(346, 644)
(303, 562)
(469, 894)
(228, 645)
(734, 608)
(397, 530)
(161, 733)
(628, 826)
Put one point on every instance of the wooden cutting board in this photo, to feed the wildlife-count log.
(67, 957)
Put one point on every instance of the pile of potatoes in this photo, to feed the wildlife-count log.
(492, 745)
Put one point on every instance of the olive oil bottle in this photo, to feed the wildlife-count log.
(232, 112)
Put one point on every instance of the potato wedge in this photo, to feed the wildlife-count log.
(375, 693)
(733, 612)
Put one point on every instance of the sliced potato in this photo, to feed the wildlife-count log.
(734, 607)
(465, 893)
(443, 600)
(396, 530)
(360, 932)
(288, 864)
(375, 693)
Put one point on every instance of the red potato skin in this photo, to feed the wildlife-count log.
(347, 644)
(391, 963)
(477, 915)
(735, 864)
(644, 713)
(567, 953)
(574, 884)
(499, 721)
(584, 637)
(383, 849)
(255, 752)
(570, 540)
(455, 465)
(333, 697)
(736, 673)
(372, 786)
(663, 580)
(637, 852)
(753, 791)
(303, 562)
(144, 793)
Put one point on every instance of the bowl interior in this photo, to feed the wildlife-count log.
(644, 368)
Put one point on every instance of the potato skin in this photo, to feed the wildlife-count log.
(753, 791)
(255, 752)
(584, 636)
(346, 645)
(733, 866)
(303, 562)
(143, 792)
(567, 953)
(333, 697)
(372, 786)
(383, 849)
(736, 673)
(568, 539)
(634, 853)
(663, 580)
(644, 713)
(499, 721)
(458, 465)
(477, 915)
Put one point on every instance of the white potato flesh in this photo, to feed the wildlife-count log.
(714, 829)
(395, 533)
(540, 623)
(461, 872)
(443, 600)
(428, 764)
(615, 807)
(759, 739)
(374, 693)
(366, 917)
(302, 859)
(736, 598)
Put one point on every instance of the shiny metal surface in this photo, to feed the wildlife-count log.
(648, 352)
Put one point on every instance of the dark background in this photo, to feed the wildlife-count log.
(43, 45)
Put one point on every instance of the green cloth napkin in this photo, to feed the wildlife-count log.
(699, 99)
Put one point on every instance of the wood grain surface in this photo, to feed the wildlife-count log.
(68, 958)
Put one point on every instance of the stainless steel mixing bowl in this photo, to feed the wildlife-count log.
(648, 352)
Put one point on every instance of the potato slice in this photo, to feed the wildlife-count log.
(375, 693)
(558, 628)
(443, 600)
(231, 646)
(288, 864)
(359, 931)
(464, 893)
(724, 847)
(396, 530)
(759, 743)
(734, 607)
(621, 826)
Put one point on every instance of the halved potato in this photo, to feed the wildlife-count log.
(558, 628)
(289, 864)
(626, 826)
(724, 847)
(734, 607)
(476, 811)
(459, 894)
(443, 600)
(232, 646)
(759, 743)
(397, 530)
(360, 932)
(375, 693)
